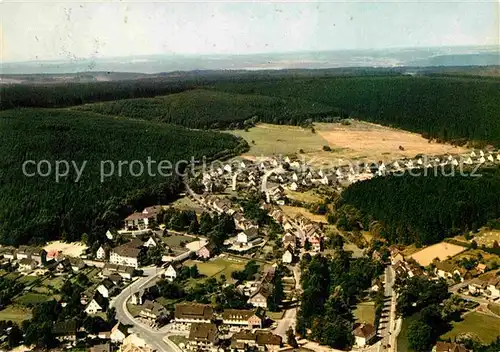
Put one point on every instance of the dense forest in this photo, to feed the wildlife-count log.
(37, 209)
(444, 107)
(422, 210)
(213, 109)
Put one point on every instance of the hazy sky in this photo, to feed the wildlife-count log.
(73, 29)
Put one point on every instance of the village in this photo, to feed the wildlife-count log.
(241, 229)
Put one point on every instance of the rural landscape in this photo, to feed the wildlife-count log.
(265, 208)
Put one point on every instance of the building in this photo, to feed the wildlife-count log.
(260, 339)
(396, 257)
(97, 304)
(76, 264)
(448, 270)
(206, 252)
(23, 252)
(126, 254)
(193, 313)
(106, 288)
(38, 255)
(243, 317)
(152, 310)
(289, 240)
(248, 235)
(477, 286)
(118, 333)
(65, 330)
(137, 297)
(110, 270)
(315, 241)
(101, 253)
(101, 348)
(363, 334)
(449, 347)
(494, 287)
(203, 336)
(27, 264)
(259, 297)
(8, 253)
(171, 273)
(288, 256)
(150, 242)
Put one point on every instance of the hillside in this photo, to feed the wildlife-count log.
(37, 209)
(423, 209)
(201, 108)
(447, 108)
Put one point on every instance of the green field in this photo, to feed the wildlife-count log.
(276, 139)
(175, 240)
(55, 282)
(495, 308)
(217, 267)
(486, 328)
(31, 298)
(15, 314)
(27, 280)
(402, 341)
(365, 312)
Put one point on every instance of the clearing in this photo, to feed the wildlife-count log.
(218, 266)
(365, 312)
(305, 197)
(175, 241)
(73, 249)
(487, 237)
(16, 314)
(32, 298)
(441, 250)
(360, 141)
(186, 203)
(485, 327)
(294, 211)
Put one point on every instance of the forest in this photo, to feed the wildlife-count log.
(421, 209)
(202, 108)
(35, 209)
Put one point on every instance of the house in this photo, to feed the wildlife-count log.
(110, 235)
(142, 221)
(289, 240)
(27, 264)
(150, 242)
(65, 330)
(102, 252)
(118, 333)
(288, 256)
(206, 252)
(106, 288)
(152, 310)
(477, 286)
(363, 334)
(63, 266)
(262, 340)
(101, 348)
(39, 255)
(137, 297)
(76, 264)
(259, 297)
(8, 253)
(481, 268)
(23, 252)
(203, 336)
(248, 235)
(449, 347)
(494, 287)
(396, 256)
(97, 304)
(243, 317)
(126, 272)
(116, 278)
(193, 313)
(315, 241)
(126, 254)
(171, 273)
(448, 270)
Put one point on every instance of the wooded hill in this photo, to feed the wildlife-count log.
(37, 209)
(424, 209)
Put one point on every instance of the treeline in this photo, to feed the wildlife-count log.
(70, 94)
(455, 109)
(37, 209)
(420, 209)
(202, 108)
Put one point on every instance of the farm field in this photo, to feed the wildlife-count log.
(441, 250)
(215, 268)
(15, 314)
(402, 341)
(486, 328)
(31, 298)
(186, 203)
(495, 308)
(365, 312)
(306, 197)
(294, 211)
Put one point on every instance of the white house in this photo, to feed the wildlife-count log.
(363, 334)
(150, 242)
(118, 333)
(248, 235)
(26, 264)
(188, 313)
(110, 235)
(101, 253)
(170, 273)
(106, 288)
(287, 256)
(125, 254)
(96, 305)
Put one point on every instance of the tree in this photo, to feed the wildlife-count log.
(194, 227)
(495, 244)
(473, 244)
(307, 245)
(290, 337)
(111, 315)
(327, 148)
(193, 272)
(420, 336)
(15, 337)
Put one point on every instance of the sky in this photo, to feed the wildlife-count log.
(67, 30)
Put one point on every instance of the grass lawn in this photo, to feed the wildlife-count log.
(167, 302)
(365, 312)
(402, 343)
(217, 267)
(275, 315)
(12, 276)
(306, 197)
(177, 339)
(294, 211)
(15, 314)
(175, 240)
(186, 203)
(486, 328)
(28, 279)
(32, 298)
(495, 308)
(55, 282)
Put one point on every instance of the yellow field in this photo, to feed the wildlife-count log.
(360, 141)
(441, 250)
(294, 211)
(306, 197)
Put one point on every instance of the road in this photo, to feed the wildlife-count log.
(290, 317)
(387, 326)
(152, 337)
